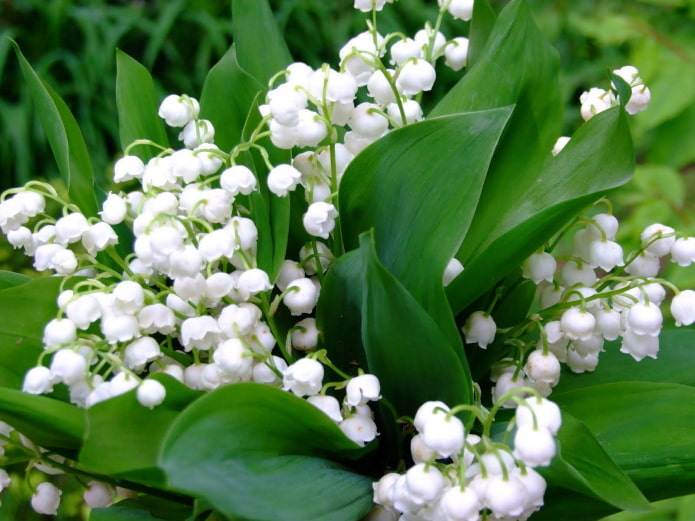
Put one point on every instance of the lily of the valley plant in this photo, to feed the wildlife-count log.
(303, 298)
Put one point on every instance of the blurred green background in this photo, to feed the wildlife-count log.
(71, 44)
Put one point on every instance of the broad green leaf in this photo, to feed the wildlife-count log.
(404, 345)
(25, 310)
(145, 508)
(647, 429)
(598, 157)
(10, 279)
(483, 21)
(263, 458)
(46, 421)
(582, 465)
(673, 509)
(441, 164)
(65, 138)
(673, 365)
(228, 96)
(112, 446)
(137, 107)
(262, 51)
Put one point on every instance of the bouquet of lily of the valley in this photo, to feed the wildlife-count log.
(303, 298)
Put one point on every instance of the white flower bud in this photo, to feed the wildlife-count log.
(456, 53)
(305, 335)
(480, 328)
(38, 380)
(594, 101)
(59, 331)
(460, 9)
(543, 367)
(419, 450)
(177, 111)
(559, 145)
(453, 269)
(368, 120)
(319, 219)
(606, 254)
(539, 267)
(68, 367)
(577, 324)
(127, 168)
(283, 179)
(683, 307)
(150, 393)
(362, 389)
(644, 319)
(238, 179)
(304, 377)
(140, 352)
(416, 76)
(535, 447)
(114, 209)
(443, 435)
(328, 404)
(539, 412)
(46, 499)
(301, 296)
(641, 96)
(359, 428)
(383, 489)
(658, 246)
(99, 495)
(682, 251)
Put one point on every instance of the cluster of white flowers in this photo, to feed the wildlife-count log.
(597, 294)
(597, 100)
(460, 477)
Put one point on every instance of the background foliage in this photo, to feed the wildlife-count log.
(71, 44)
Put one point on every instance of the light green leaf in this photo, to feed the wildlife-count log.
(442, 178)
(228, 95)
(137, 107)
(674, 509)
(262, 51)
(46, 421)
(10, 279)
(404, 345)
(112, 446)
(582, 465)
(645, 427)
(483, 21)
(598, 157)
(65, 138)
(145, 508)
(265, 457)
(25, 310)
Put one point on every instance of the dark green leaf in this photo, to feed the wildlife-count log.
(418, 229)
(10, 279)
(47, 422)
(262, 51)
(404, 345)
(597, 158)
(673, 365)
(582, 465)
(65, 138)
(25, 310)
(112, 446)
(623, 88)
(228, 96)
(263, 458)
(145, 508)
(137, 107)
(645, 427)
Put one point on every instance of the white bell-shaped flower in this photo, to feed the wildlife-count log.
(284, 102)
(328, 404)
(459, 9)
(646, 265)
(234, 359)
(98, 237)
(419, 450)
(196, 133)
(412, 110)
(639, 346)
(506, 498)
(252, 282)
(362, 389)
(424, 37)
(580, 364)
(140, 352)
(200, 332)
(150, 393)
(238, 179)
(38, 380)
(444, 435)
(595, 100)
(543, 367)
(573, 273)
(577, 324)
(658, 239)
(70, 228)
(359, 428)
(68, 367)
(156, 318)
(460, 505)
(539, 267)
(424, 483)
(367, 5)
(64, 261)
(46, 499)
(301, 296)
(119, 328)
(416, 76)
(480, 328)
(683, 307)
(59, 331)
(453, 269)
(380, 88)
(289, 270)
(405, 49)
(129, 296)
(319, 219)
(127, 168)
(456, 53)
(114, 209)
(305, 335)
(606, 254)
(608, 323)
(283, 179)
(645, 319)
(535, 447)
(683, 251)
(639, 100)
(325, 257)
(539, 412)
(304, 377)
(368, 120)
(177, 110)
(99, 495)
